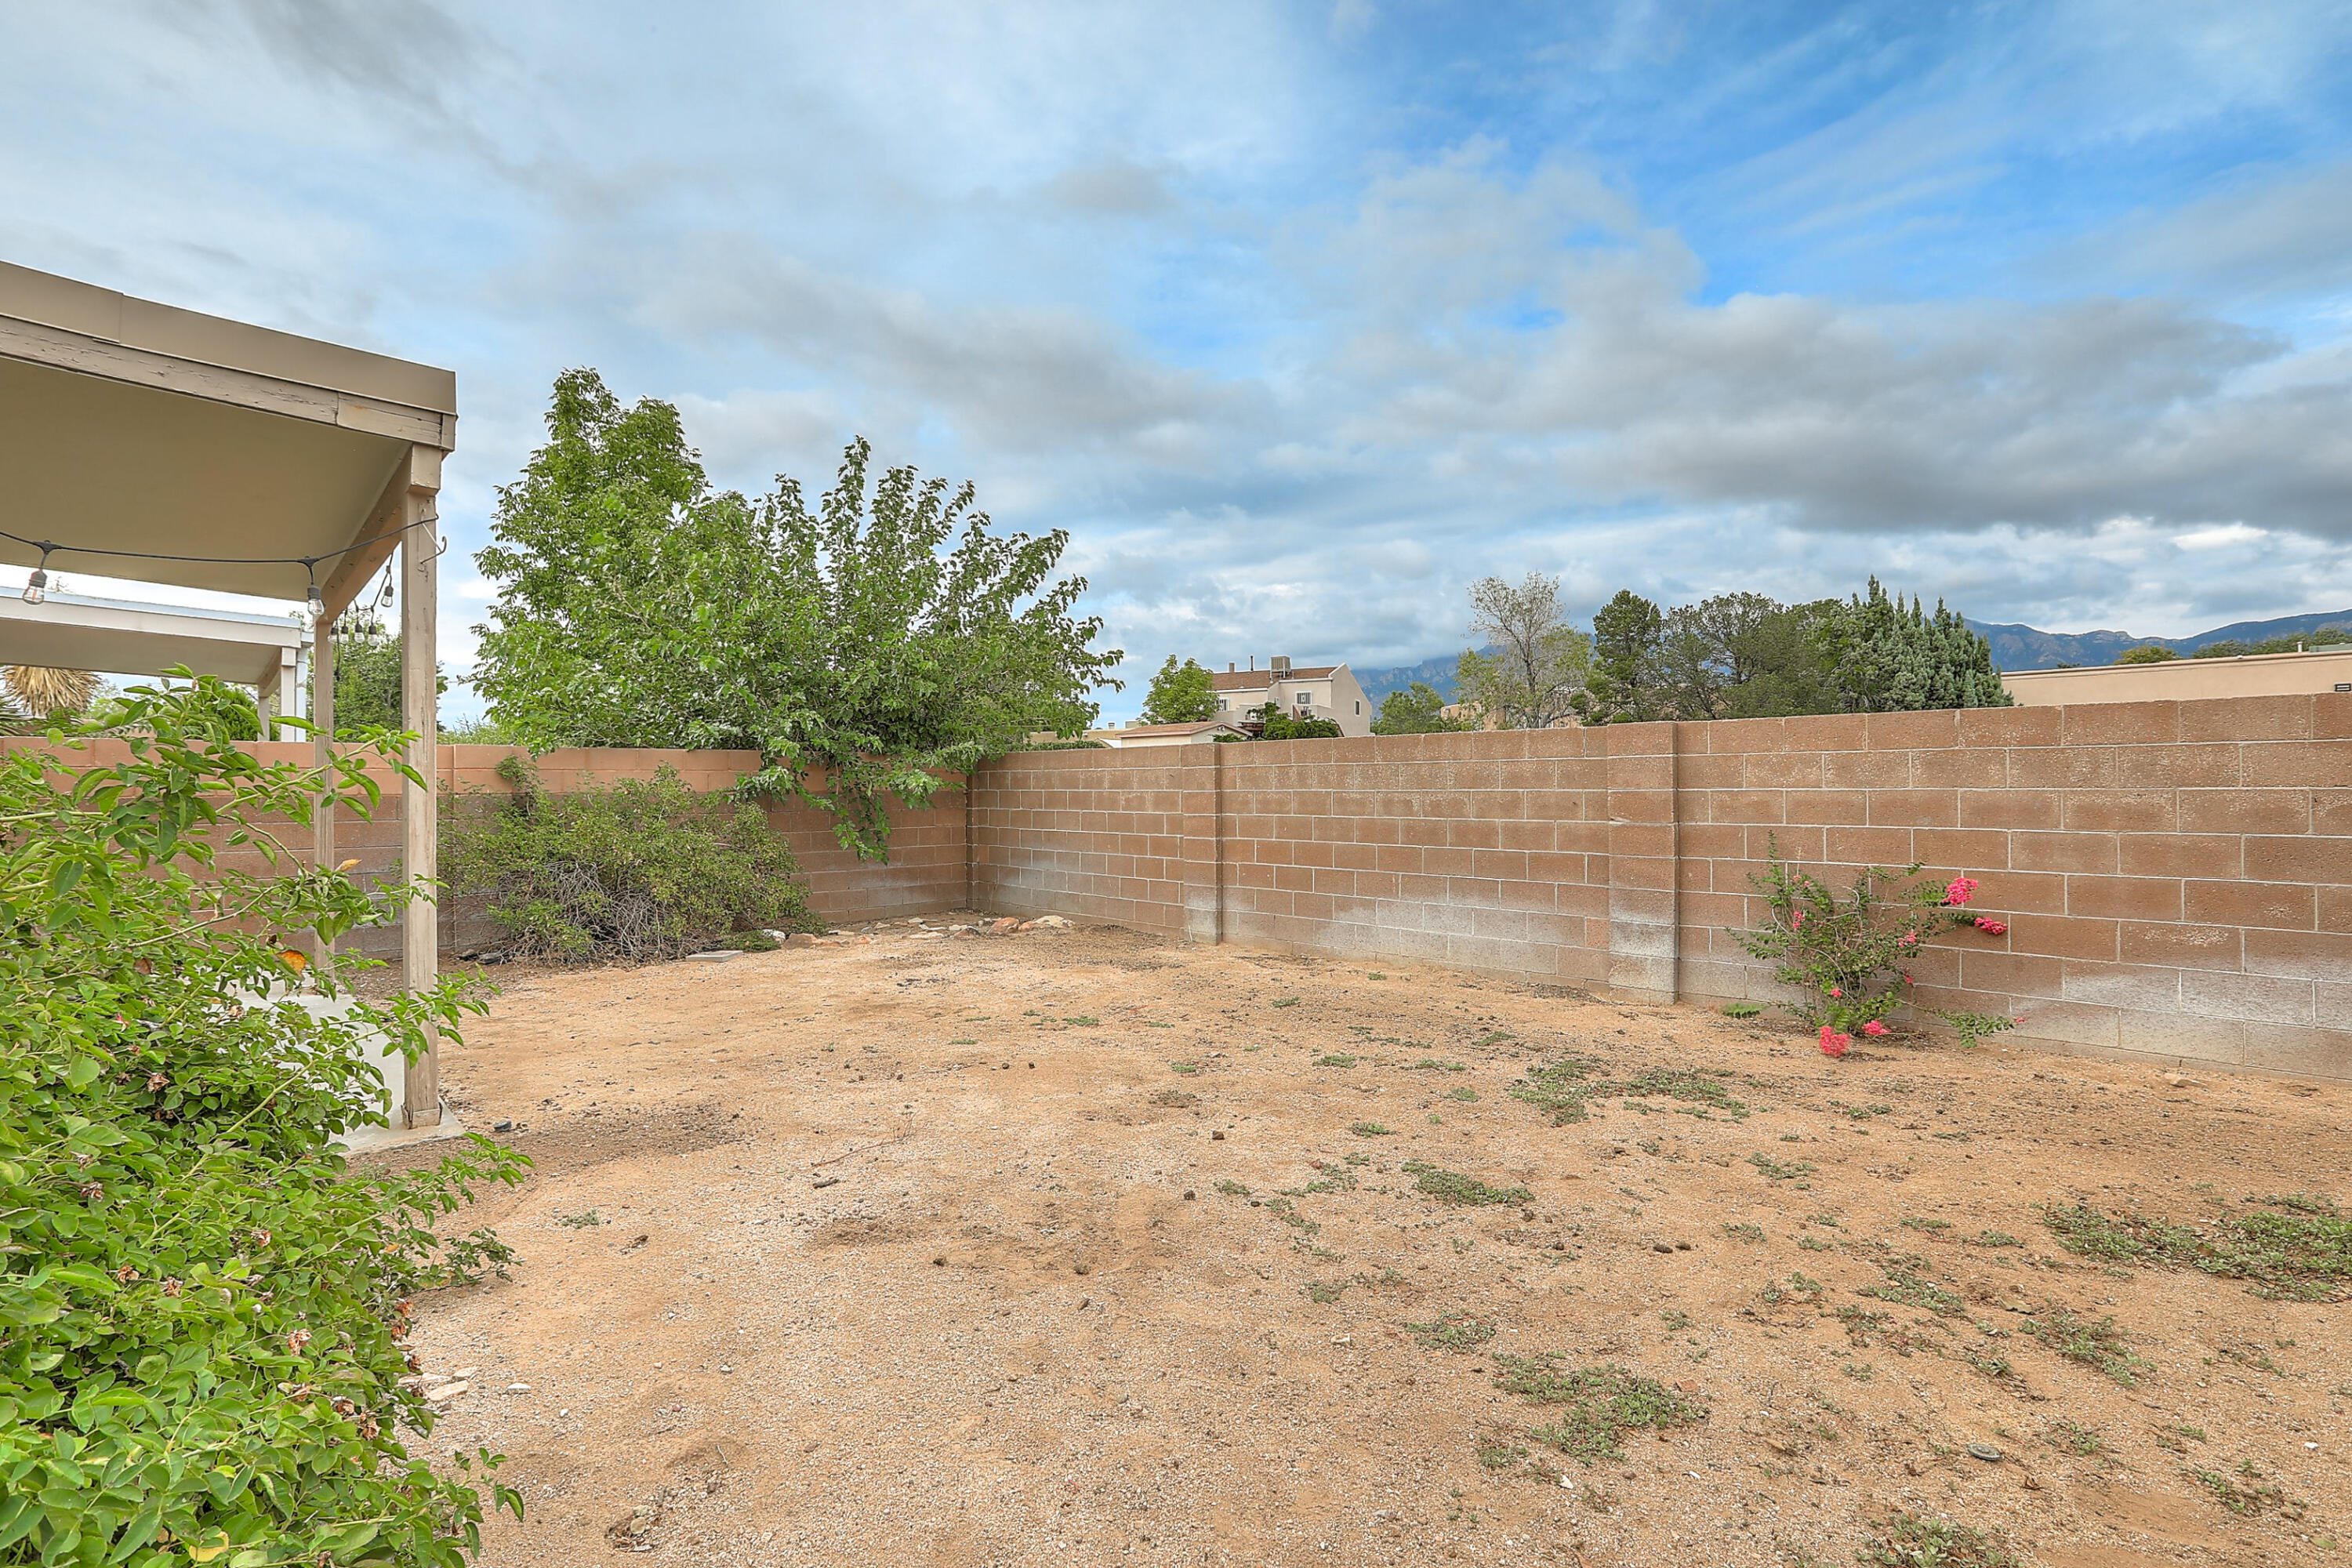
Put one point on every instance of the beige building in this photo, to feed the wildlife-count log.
(1140, 736)
(1303, 691)
(2186, 679)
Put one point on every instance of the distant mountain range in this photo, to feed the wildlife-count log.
(2024, 648)
(2013, 647)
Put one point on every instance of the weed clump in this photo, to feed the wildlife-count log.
(2251, 1493)
(1561, 1090)
(1458, 1332)
(2297, 1247)
(1335, 1060)
(1597, 1403)
(1780, 1170)
(2098, 1346)
(1909, 1540)
(1453, 1187)
(1904, 1286)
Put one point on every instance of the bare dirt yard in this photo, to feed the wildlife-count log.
(1075, 1247)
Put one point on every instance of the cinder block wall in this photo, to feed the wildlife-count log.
(926, 872)
(2177, 877)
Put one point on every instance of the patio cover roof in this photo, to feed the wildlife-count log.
(72, 632)
(139, 426)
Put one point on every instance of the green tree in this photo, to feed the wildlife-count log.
(864, 647)
(1770, 655)
(2146, 653)
(1623, 685)
(1530, 681)
(367, 675)
(1420, 710)
(1181, 694)
(1281, 726)
(1888, 655)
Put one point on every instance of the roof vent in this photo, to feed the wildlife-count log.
(1280, 665)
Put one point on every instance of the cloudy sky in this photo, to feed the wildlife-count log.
(1300, 316)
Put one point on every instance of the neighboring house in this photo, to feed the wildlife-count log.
(1303, 691)
(2186, 679)
(1137, 735)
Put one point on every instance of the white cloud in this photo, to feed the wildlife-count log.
(2219, 537)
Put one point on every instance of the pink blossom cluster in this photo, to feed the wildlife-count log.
(1959, 890)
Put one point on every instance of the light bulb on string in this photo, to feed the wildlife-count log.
(36, 586)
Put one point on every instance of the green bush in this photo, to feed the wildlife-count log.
(201, 1308)
(639, 871)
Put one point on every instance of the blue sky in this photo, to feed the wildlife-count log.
(1302, 317)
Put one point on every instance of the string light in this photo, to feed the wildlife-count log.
(37, 586)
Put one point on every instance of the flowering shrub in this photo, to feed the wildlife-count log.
(1850, 952)
(201, 1307)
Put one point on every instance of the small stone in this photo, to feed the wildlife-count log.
(502, 1127)
(1661, 1247)
(517, 1388)
(1216, 1137)
(801, 939)
(1083, 1268)
(724, 1369)
(1052, 922)
(1682, 1247)
(1006, 924)
(445, 1393)
(827, 1182)
(716, 956)
(939, 1262)
(463, 1372)
(1985, 1451)
(2032, 1483)
(1189, 1194)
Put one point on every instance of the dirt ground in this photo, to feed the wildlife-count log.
(933, 1249)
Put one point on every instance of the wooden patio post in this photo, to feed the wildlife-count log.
(420, 712)
(322, 754)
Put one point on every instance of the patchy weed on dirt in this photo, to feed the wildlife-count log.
(862, 1295)
(2296, 1248)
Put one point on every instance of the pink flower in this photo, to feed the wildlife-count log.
(1834, 1044)
(1835, 992)
(1960, 891)
(1796, 919)
(1873, 1028)
(1910, 939)
(1993, 928)
(296, 1341)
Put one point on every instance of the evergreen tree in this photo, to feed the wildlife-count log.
(1888, 655)
(1623, 686)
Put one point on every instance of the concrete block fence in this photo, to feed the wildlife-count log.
(2177, 877)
